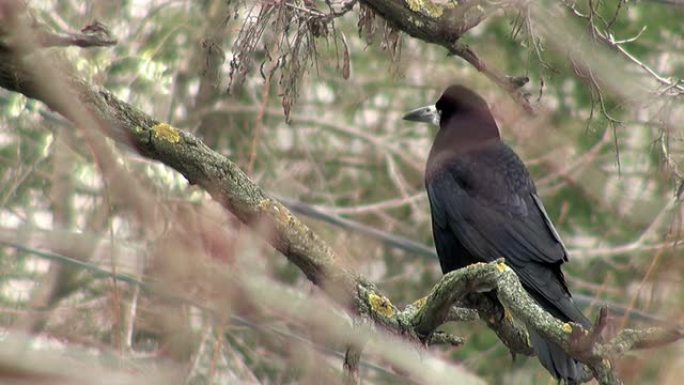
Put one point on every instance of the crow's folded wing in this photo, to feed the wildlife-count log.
(502, 223)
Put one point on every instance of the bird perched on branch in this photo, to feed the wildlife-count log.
(485, 206)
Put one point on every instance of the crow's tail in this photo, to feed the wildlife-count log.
(555, 360)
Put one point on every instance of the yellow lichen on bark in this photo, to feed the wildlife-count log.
(267, 205)
(167, 132)
(432, 9)
(567, 328)
(501, 266)
(419, 302)
(607, 364)
(414, 5)
(275, 209)
(426, 7)
(508, 315)
(381, 305)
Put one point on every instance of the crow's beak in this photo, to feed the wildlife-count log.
(427, 114)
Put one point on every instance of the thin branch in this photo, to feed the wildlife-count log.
(92, 35)
(370, 207)
(386, 238)
(352, 357)
(211, 56)
(631, 339)
(444, 24)
(442, 338)
(609, 40)
(512, 85)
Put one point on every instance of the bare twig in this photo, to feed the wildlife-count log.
(352, 357)
(92, 35)
(606, 37)
(512, 85)
(370, 207)
(444, 24)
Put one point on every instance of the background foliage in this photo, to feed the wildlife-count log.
(310, 105)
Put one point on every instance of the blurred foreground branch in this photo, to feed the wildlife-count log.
(26, 69)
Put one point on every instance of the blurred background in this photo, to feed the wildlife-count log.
(307, 97)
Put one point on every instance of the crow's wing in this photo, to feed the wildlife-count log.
(493, 212)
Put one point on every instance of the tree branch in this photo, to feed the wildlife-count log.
(444, 24)
(352, 358)
(92, 35)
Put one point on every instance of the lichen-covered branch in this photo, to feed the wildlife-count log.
(490, 311)
(98, 111)
(583, 344)
(443, 24)
(434, 309)
(435, 23)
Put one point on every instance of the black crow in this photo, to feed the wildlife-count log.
(485, 206)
